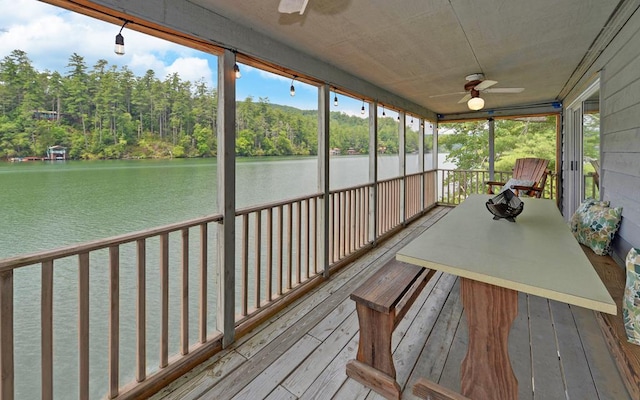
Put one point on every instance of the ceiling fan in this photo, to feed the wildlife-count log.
(292, 6)
(476, 84)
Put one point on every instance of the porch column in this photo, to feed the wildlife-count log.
(322, 228)
(421, 131)
(226, 196)
(492, 149)
(434, 159)
(402, 167)
(373, 171)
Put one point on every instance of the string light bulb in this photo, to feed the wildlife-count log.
(236, 69)
(292, 89)
(335, 99)
(119, 47)
(362, 109)
(383, 113)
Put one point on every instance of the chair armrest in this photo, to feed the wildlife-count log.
(491, 184)
(527, 188)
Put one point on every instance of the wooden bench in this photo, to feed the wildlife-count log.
(626, 355)
(381, 302)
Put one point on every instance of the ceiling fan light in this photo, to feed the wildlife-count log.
(475, 103)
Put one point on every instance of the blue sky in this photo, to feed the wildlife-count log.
(50, 35)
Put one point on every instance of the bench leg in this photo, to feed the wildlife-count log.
(374, 347)
(373, 366)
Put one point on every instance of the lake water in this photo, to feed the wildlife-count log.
(47, 205)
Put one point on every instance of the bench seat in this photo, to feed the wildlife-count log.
(625, 354)
(381, 302)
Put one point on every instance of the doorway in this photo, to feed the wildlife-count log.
(582, 155)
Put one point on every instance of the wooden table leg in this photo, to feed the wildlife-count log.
(486, 371)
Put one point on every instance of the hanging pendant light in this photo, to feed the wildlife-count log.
(119, 47)
(292, 89)
(236, 69)
(476, 102)
(362, 109)
(335, 99)
(383, 113)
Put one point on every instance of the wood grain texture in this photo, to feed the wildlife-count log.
(626, 354)
(375, 379)
(425, 389)
(6, 335)
(486, 371)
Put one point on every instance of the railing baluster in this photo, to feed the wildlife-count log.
(204, 262)
(347, 222)
(299, 242)
(269, 227)
(315, 235)
(279, 275)
(290, 247)
(244, 291)
(308, 236)
(46, 316)
(184, 300)
(114, 319)
(258, 256)
(6, 336)
(164, 300)
(141, 311)
(83, 325)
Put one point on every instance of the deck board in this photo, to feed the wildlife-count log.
(301, 353)
(547, 377)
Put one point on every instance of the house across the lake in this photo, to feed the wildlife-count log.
(57, 152)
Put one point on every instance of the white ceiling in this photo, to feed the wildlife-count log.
(422, 48)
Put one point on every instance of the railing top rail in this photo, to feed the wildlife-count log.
(12, 263)
(364, 185)
(261, 207)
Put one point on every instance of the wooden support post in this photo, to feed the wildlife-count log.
(6, 336)
(486, 371)
(226, 196)
(322, 228)
(402, 168)
(373, 173)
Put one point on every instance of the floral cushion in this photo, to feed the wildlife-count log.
(631, 300)
(516, 182)
(578, 215)
(597, 226)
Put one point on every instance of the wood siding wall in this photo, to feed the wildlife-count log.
(620, 130)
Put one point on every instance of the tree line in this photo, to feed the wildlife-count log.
(107, 112)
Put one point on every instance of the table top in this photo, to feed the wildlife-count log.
(537, 254)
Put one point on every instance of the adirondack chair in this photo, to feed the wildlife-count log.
(596, 175)
(528, 169)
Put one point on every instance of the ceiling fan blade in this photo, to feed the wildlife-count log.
(485, 84)
(465, 98)
(447, 94)
(504, 90)
(292, 6)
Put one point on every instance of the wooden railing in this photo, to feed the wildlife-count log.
(171, 269)
(147, 300)
(454, 185)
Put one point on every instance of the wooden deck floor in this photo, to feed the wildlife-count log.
(557, 351)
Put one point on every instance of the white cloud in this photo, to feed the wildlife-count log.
(191, 69)
(50, 35)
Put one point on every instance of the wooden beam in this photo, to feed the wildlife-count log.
(6, 336)
(226, 196)
(322, 229)
(373, 174)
